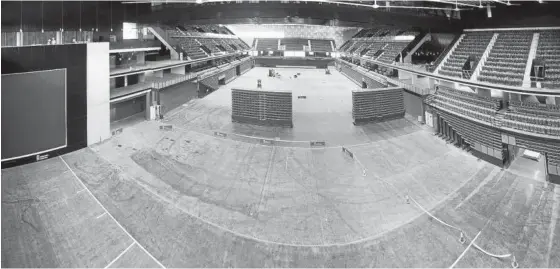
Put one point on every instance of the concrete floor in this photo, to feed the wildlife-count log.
(184, 198)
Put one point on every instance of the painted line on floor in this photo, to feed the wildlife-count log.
(109, 214)
(287, 141)
(120, 255)
(465, 251)
(81, 190)
(101, 215)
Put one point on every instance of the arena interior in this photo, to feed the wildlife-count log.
(147, 133)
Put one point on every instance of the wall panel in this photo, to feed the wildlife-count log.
(73, 58)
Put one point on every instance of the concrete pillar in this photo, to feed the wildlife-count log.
(484, 92)
(19, 39)
(178, 70)
(112, 83)
(148, 105)
(158, 74)
(125, 81)
(141, 78)
(140, 58)
(515, 97)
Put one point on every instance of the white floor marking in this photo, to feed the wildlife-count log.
(465, 251)
(122, 253)
(109, 214)
(101, 215)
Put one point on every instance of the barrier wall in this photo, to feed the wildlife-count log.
(73, 58)
(270, 108)
(413, 104)
(377, 105)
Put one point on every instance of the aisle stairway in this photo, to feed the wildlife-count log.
(484, 57)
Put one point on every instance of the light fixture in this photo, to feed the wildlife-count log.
(42, 30)
(80, 29)
(375, 5)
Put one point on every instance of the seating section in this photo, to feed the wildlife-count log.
(265, 44)
(210, 44)
(475, 133)
(321, 45)
(391, 51)
(549, 50)
(466, 103)
(533, 117)
(294, 44)
(508, 58)
(191, 47)
(378, 44)
(472, 44)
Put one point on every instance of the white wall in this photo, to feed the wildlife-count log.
(98, 117)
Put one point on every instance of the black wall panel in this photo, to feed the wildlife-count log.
(73, 57)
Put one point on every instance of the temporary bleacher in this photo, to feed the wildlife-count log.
(472, 44)
(508, 58)
(321, 45)
(267, 44)
(549, 51)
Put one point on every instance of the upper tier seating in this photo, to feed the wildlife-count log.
(473, 43)
(267, 44)
(294, 43)
(321, 45)
(391, 51)
(549, 50)
(191, 47)
(508, 58)
(210, 44)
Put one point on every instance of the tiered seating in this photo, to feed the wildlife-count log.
(294, 44)
(210, 44)
(347, 45)
(474, 44)
(321, 45)
(549, 50)
(267, 44)
(533, 117)
(466, 103)
(508, 58)
(475, 133)
(191, 48)
(391, 51)
(373, 48)
(240, 44)
(358, 47)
